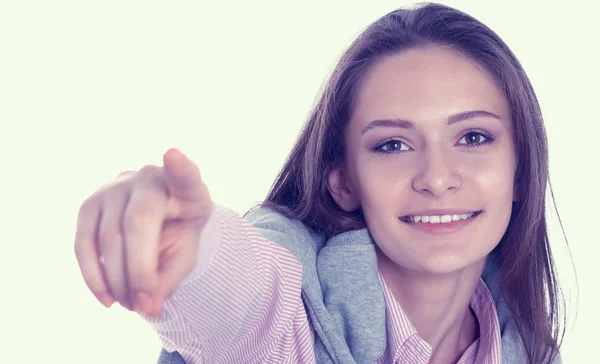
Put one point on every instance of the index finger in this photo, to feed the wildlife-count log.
(182, 176)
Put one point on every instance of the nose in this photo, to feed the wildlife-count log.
(437, 173)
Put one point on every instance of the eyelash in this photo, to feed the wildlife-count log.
(488, 139)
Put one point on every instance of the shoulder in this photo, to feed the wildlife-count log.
(290, 233)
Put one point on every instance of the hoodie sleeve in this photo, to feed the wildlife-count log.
(240, 303)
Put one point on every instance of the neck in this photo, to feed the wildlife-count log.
(437, 305)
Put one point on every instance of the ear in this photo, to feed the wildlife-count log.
(339, 188)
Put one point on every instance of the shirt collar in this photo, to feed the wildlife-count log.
(403, 338)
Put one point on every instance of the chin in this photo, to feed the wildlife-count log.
(447, 264)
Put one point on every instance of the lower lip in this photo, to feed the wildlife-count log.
(442, 228)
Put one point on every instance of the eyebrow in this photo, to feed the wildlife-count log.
(408, 124)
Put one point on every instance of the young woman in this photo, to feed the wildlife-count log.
(407, 225)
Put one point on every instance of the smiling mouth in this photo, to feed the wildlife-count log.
(438, 219)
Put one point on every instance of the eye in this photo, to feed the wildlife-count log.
(391, 146)
(475, 139)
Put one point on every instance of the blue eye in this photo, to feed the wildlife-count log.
(391, 146)
(475, 139)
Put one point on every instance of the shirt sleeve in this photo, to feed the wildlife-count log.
(240, 303)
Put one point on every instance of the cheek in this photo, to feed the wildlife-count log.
(494, 175)
(377, 180)
(494, 183)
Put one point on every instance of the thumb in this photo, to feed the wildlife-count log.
(183, 177)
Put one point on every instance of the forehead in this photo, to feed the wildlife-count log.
(427, 84)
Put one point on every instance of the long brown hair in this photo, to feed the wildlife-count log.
(528, 275)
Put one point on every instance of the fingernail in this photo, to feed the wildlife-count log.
(143, 302)
(107, 301)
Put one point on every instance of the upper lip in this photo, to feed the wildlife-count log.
(452, 211)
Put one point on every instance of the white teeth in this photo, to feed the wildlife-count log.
(446, 218)
(440, 219)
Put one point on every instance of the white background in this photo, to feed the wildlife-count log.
(88, 89)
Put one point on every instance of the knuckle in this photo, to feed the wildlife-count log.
(88, 206)
(125, 174)
(115, 194)
(150, 177)
(148, 172)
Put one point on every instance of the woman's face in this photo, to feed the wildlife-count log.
(430, 142)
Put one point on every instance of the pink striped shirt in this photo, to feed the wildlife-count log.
(406, 346)
(242, 304)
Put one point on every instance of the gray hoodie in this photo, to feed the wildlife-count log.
(343, 296)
